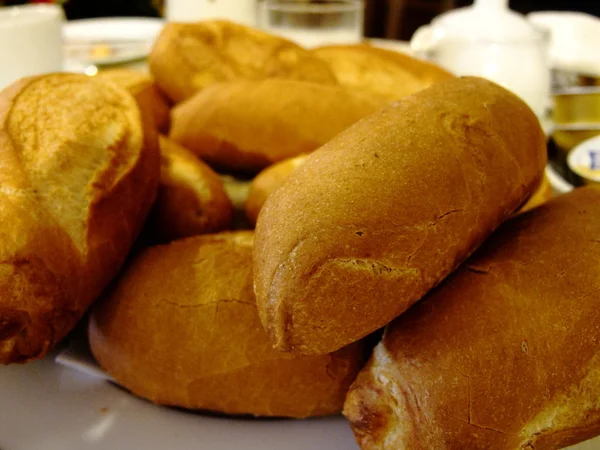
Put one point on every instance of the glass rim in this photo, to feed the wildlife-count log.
(303, 7)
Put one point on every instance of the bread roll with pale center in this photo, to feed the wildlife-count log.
(386, 210)
(187, 57)
(504, 354)
(181, 328)
(79, 173)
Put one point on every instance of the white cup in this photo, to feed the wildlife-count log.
(240, 11)
(30, 41)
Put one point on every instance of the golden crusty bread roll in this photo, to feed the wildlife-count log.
(188, 57)
(249, 125)
(181, 328)
(382, 213)
(386, 73)
(504, 354)
(79, 173)
(191, 197)
(149, 98)
(267, 182)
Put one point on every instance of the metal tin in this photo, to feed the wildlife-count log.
(584, 161)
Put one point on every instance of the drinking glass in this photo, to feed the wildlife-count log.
(314, 23)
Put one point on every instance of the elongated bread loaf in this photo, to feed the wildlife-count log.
(248, 125)
(181, 328)
(504, 354)
(386, 210)
(385, 73)
(187, 57)
(191, 197)
(78, 174)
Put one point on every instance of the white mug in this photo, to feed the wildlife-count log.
(240, 11)
(30, 41)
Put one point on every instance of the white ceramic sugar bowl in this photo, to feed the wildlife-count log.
(491, 41)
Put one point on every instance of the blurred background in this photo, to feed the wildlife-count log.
(392, 19)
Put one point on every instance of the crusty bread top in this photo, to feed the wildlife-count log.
(190, 56)
(504, 354)
(68, 156)
(390, 74)
(384, 211)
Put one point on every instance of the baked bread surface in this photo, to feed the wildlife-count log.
(191, 197)
(382, 213)
(181, 328)
(249, 125)
(503, 354)
(79, 172)
(385, 73)
(187, 57)
(267, 182)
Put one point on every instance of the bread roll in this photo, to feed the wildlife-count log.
(181, 328)
(191, 198)
(385, 73)
(149, 98)
(386, 210)
(267, 182)
(188, 57)
(249, 125)
(78, 175)
(504, 354)
(541, 195)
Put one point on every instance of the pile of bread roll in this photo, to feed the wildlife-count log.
(405, 268)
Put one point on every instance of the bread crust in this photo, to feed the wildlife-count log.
(386, 210)
(181, 328)
(267, 182)
(78, 175)
(385, 73)
(503, 354)
(249, 125)
(147, 94)
(188, 57)
(191, 197)
(542, 194)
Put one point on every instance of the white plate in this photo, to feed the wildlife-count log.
(44, 406)
(109, 41)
